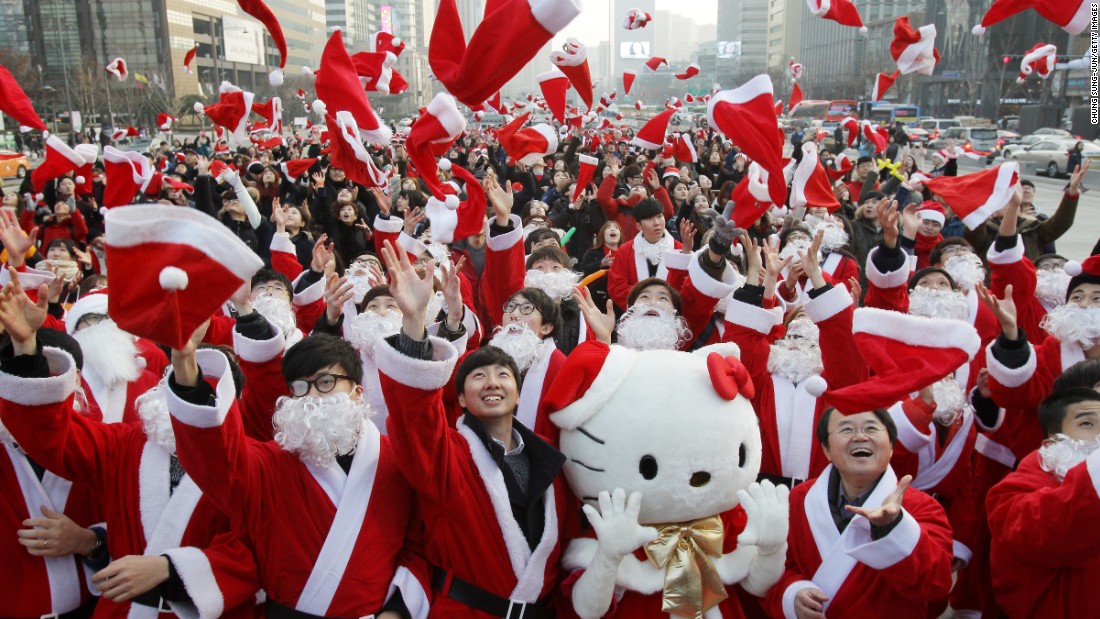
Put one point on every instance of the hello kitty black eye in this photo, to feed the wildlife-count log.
(647, 466)
(742, 456)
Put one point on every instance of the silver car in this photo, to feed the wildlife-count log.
(1051, 156)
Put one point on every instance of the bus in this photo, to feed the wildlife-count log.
(811, 109)
(889, 113)
(841, 109)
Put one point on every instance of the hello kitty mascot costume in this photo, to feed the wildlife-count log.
(663, 450)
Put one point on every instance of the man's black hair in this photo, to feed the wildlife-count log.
(549, 309)
(537, 236)
(880, 413)
(951, 241)
(319, 351)
(1053, 410)
(871, 195)
(864, 159)
(925, 272)
(265, 275)
(1081, 374)
(486, 355)
(556, 254)
(1026, 183)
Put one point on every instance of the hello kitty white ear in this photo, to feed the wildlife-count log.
(591, 375)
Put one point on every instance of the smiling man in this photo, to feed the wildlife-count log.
(861, 539)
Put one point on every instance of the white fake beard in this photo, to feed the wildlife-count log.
(652, 327)
(966, 270)
(653, 252)
(1050, 287)
(795, 358)
(152, 408)
(280, 313)
(558, 286)
(812, 221)
(950, 401)
(440, 253)
(522, 344)
(360, 285)
(370, 327)
(1073, 324)
(317, 429)
(793, 251)
(1061, 453)
(932, 303)
(835, 236)
(110, 354)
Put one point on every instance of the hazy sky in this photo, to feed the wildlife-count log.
(591, 26)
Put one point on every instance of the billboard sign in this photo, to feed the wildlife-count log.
(241, 40)
(729, 49)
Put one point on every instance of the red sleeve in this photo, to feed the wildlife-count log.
(895, 298)
(925, 574)
(504, 270)
(284, 257)
(843, 364)
(605, 197)
(80, 227)
(748, 326)
(229, 561)
(261, 362)
(220, 331)
(662, 196)
(618, 276)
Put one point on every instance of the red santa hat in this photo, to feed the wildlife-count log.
(231, 110)
(638, 105)
(573, 62)
(795, 70)
(60, 159)
(652, 135)
(883, 82)
(914, 50)
(1073, 15)
(670, 172)
(554, 85)
(94, 302)
(654, 63)
(451, 219)
(811, 187)
(871, 133)
(636, 18)
(188, 57)
(1087, 272)
(843, 12)
(1039, 60)
(683, 149)
(269, 143)
(976, 196)
(15, 103)
(530, 145)
(779, 107)
(127, 173)
(181, 266)
(293, 169)
(796, 98)
(746, 115)
(585, 173)
(691, 71)
(164, 122)
(750, 197)
(931, 210)
(510, 36)
(905, 353)
(851, 125)
(341, 97)
(117, 68)
(494, 102)
(842, 165)
(628, 80)
(386, 42)
(438, 126)
(375, 70)
(272, 111)
(83, 179)
(259, 10)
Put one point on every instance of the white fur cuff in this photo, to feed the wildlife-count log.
(882, 553)
(676, 259)
(423, 374)
(212, 363)
(788, 596)
(751, 317)
(706, 284)
(1010, 377)
(1011, 255)
(281, 242)
(510, 238)
(413, 246)
(893, 279)
(310, 295)
(198, 579)
(825, 306)
(259, 351)
(40, 391)
(393, 225)
(961, 552)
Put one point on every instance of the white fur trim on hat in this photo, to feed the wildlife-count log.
(930, 214)
(553, 15)
(757, 86)
(445, 110)
(917, 330)
(616, 367)
(87, 304)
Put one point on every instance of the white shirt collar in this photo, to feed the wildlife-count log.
(517, 439)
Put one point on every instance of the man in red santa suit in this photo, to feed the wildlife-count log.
(1045, 558)
(43, 561)
(115, 371)
(861, 541)
(789, 372)
(175, 552)
(644, 255)
(486, 488)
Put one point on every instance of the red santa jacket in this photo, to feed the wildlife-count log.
(630, 267)
(130, 478)
(699, 293)
(1046, 546)
(788, 412)
(326, 543)
(470, 531)
(621, 210)
(1027, 385)
(906, 572)
(45, 585)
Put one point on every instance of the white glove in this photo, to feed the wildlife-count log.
(616, 524)
(767, 508)
(230, 177)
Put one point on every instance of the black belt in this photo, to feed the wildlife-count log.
(780, 480)
(83, 611)
(275, 610)
(152, 600)
(479, 599)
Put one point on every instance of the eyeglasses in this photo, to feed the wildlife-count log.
(955, 250)
(323, 384)
(524, 308)
(1051, 266)
(272, 288)
(90, 320)
(870, 430)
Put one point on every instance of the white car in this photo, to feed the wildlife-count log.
(1051, 156)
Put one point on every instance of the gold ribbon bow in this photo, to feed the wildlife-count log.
(886, 164)
(692, 583)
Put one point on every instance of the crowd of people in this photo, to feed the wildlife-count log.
(365, 430)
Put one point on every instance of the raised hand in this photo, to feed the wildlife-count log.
(385, 202)
(82, 257)
(910, 223)
(278, 215)
(202, 165)
(338, 291)
(773, 264)
(452, 293)
(754, 265)
(856, 289)
(318, 179)
(501, 200)
(766, 506)
(410, 290)
(11, 235)
(1004, 309)
(889, 511)
(412, 220)
(653, 180)
(687, 236)
(809, 261)
(888, 220)
(601, 323)
(1078, 176)
(365, 229)
(20, 317)
(616, 524)
(321, 254)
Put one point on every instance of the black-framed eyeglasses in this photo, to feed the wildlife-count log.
(323, 384)
(525, 308)
(90, 320)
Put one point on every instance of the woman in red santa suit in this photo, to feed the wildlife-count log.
(487, 489)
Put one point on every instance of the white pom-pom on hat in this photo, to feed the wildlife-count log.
(451, 202)
(445, 164)
(79, 180)
(199, 107)
(275, 78)
(978, 30)
(815, 386)
(173, 278)
(863, 30)
(319, 107)
(1073, 268)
